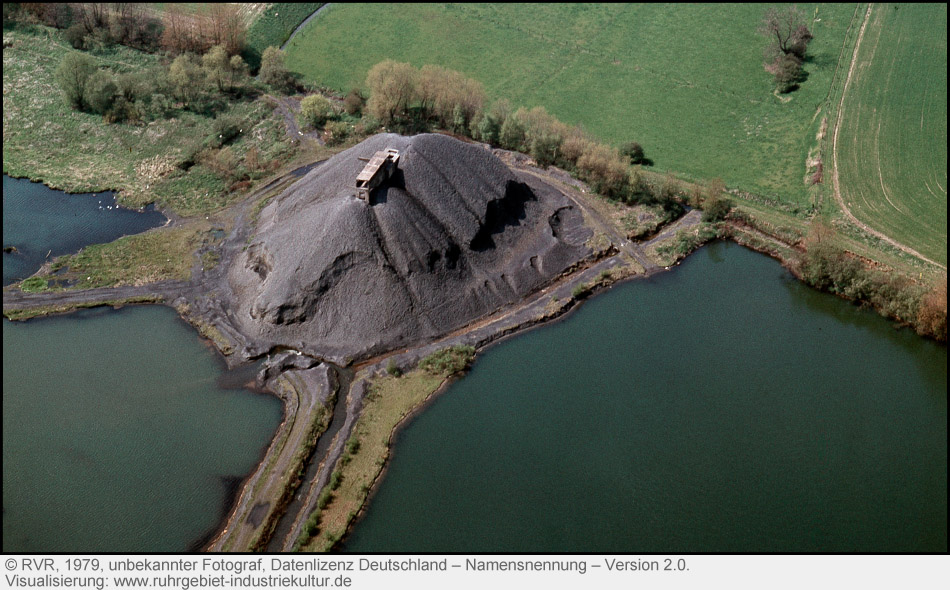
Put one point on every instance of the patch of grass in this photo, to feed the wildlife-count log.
(44, 139)
(388, 402)
(580, 291)
(685, 241)
(210, 259)
(688, 84)
(892, 143)
(273, 27)
(448, 361)
(162, 254)
(33, 312)
(34, 285)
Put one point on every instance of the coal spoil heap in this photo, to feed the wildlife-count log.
(452, 235)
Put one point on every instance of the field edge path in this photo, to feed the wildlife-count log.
(834, 158)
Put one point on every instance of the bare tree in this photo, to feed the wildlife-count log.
(93, 16)
(226, 27)
(786, 31)
(174, 36)
(788, 38)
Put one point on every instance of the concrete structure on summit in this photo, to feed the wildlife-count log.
(377, 170)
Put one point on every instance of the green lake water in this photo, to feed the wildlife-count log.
(117, 435)
(721, 407)
(43, 223)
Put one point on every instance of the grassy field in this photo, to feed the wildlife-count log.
(892, 144)
(160, 254)
(273, 26)
(43, 139)
(687, 83)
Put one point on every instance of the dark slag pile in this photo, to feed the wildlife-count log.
(451, 236)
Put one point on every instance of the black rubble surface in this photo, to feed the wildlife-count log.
(453, 235)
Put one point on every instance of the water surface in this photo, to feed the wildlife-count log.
(117, 435)
(43, 223)
(720, 407)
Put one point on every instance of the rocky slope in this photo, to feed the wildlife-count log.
(452, 236)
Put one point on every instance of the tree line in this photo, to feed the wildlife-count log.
(410, 100)
(175, 30)
(202, 84)
(824, 265)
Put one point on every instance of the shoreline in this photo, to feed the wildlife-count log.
(550, 304)
(554, 301)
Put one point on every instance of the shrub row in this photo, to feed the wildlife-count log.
(827, 267)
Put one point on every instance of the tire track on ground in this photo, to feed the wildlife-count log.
(834, 156)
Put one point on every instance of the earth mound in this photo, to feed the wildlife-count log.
(450, 236)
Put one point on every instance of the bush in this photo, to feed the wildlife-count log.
(448, 361)
(273, 72)
(489, 126)
(72, 76)
(688, 240)
(393, 369)
(716, 208)
(159, 106)
(335, 132)
(76, 36)
(511, 136)
(605, 170)
(186, 78)
(392, 88)
(634, 151)
(637, 188)
(123, 110)
(101, 91)
(788, 72)
(354, 101)
(224, 129)
(366, 126)
(574, 147)
(314, 111)
(133, 87)
(323, 500)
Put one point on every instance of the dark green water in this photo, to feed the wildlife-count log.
(722, 407)
(38, 220)
(117, 435)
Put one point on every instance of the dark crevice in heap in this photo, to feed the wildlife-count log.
(509, 211)
(451, 235)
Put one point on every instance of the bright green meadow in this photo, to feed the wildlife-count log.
(688, 84)
(892, 145)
